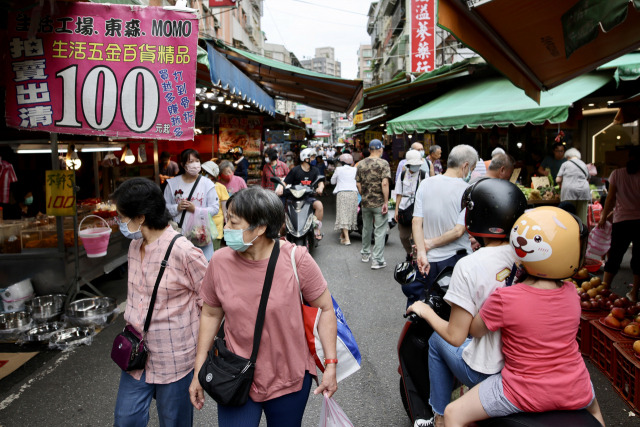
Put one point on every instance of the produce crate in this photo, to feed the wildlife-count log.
(584, 330)
(626, 374)
(602, 352)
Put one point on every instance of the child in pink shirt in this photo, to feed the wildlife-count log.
(539, 320)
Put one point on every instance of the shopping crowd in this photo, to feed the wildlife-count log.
(448, 216)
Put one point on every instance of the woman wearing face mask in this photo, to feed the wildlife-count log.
(273, 168)
(25, 208)
(232, 288)
(406, 188)
(227, 178)
(171, 337)
(176, 194)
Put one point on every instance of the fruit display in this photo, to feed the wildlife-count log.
(624, 315)
(549, 191)
(594, 294)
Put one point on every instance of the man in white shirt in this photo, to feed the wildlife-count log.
(401, 166)
(438, 223)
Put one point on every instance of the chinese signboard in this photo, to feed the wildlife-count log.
(274, 137)
(423, 39)
(240, 131)
(306, 120)
(358, 118)
(369, 135)
(222, 3)
(100, 69)
(59, 193)
(297, 134)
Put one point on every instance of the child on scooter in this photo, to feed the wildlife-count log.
(539, 320)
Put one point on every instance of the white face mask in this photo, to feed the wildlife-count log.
(193, 168)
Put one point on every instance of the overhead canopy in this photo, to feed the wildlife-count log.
(496, 101)
(294, 83)
(540, 44)
(227, 75)
(409, 86)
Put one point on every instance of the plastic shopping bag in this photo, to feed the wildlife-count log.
(599, 242)
(198, 229)
(332, 415)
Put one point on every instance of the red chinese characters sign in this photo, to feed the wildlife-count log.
(100, 69)
(222, 3)
(423, 40)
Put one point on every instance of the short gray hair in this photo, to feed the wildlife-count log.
(497, 151)
(434, 148)
(227, 164)
(501, 160)
(572, 152)
(258, 206)
(460, 154)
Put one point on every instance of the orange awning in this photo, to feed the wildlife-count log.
(540, 44)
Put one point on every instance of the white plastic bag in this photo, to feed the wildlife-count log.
(198, 228)
(599, 242)
(332, 415)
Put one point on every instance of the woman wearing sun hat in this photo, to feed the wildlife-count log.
(406, 188)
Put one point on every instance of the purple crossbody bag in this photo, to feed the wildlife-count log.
(129, 350)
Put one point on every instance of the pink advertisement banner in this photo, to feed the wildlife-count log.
(423, 39)
(102, 70)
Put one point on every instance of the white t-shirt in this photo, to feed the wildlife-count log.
(438, 202)
(407, 187)
(344, 178)
(204, 197)
(474, 278)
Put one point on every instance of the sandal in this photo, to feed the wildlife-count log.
(318, 234)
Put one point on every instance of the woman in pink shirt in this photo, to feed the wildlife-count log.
(232, 288)
(171, 338)
(538, 319)
(624, 195)
(228, 179)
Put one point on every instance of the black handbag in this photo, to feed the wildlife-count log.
(224, 375)
(129, 350)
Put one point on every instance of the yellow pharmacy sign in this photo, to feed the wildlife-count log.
(60, 199)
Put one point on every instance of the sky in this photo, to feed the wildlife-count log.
(303, 25)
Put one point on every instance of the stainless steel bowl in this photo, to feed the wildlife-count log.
(15, 320)
(46, 307)
(43, 332)
(71, 336)
(91, 307)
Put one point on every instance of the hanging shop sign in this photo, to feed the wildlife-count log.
(223, 3)
(423, 39)
(59, 192)
(240, 131)
(306, 120)
(297, 134)
(274, 137)
(102, 69)
(358, 118)
(369, 135)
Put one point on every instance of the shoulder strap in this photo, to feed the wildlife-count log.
(583, 171)
(266, 289)
(402, 175)
(512, 275)
(195, 184)
(147, 321)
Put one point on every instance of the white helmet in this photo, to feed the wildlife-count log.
(307, 153)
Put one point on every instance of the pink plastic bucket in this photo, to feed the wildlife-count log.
(95, 240)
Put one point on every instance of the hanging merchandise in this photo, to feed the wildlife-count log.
(142, 154)
(7, 177)
(110, 160)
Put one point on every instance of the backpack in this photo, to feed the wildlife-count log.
(405, 216)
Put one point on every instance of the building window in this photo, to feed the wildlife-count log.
(368, 63)
(367, 53)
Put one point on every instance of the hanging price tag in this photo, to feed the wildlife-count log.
(59, 187)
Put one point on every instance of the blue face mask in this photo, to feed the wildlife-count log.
(468, 177)
(124, 229)
(28, 200)
(235, 240)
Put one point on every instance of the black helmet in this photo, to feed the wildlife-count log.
(236, 150)
(404, 273)
(493, 206)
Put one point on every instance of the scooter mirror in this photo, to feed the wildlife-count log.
(317, 180)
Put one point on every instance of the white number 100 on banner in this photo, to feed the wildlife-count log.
(131, 107)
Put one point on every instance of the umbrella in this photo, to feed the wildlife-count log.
(540, 44)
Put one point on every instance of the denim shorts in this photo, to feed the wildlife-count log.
(492, 398)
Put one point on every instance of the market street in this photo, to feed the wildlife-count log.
(79, 387)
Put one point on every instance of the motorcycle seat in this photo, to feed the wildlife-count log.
(580, 418)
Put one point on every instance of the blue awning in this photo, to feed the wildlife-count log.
(227, 75)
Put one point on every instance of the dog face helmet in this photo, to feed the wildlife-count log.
(549, 242)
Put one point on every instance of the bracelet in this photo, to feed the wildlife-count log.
(327, 361)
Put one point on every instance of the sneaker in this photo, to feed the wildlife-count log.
(424, 423)
(378, 265)
(366, 257)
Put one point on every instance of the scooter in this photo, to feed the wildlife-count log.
(299, 218)
(413, 352)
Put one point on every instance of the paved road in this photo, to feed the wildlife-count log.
(78, 387)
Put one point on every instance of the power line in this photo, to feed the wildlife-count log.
(332, 8)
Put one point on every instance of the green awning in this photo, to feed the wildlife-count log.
(627, 67)
(496, 101)
(355, 131)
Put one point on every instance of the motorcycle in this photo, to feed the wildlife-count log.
(413, 352)
(299, 218)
